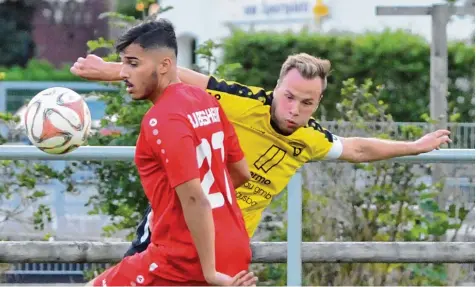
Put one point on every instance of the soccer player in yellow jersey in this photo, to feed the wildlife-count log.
(275, 129)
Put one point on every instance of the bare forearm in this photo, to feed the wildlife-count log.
(112, 72)
(238, 180)
(193, 78)
(239, 172)
(199, 219)
(372, 149)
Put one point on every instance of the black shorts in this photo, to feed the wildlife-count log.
(143, 233)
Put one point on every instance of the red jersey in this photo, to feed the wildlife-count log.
(186, 135)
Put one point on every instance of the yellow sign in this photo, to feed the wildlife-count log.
(320, 9)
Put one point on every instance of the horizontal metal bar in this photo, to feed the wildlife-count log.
(100, 153)
(126, 153)
(43, 272)
(22, 85)
(263, 252)
(403, 10)
(420, 10)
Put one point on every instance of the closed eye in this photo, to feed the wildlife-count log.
(133, 64)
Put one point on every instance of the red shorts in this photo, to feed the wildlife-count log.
(134, 271)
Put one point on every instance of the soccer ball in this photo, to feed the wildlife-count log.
(57, 120)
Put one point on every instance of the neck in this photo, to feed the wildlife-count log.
(164, 82)
(274, 122)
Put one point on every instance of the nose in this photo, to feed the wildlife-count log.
(123, 74)
(294, 108)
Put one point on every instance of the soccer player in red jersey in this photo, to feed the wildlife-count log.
(189, 160)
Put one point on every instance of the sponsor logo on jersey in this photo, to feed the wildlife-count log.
(204, 117)
(246, 198)
(259, 178)
(297, 148)
(272, 157)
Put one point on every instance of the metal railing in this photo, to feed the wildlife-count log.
(34, 87)
(462, 134)
(263, 252)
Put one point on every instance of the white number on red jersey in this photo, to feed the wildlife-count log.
(204, 151)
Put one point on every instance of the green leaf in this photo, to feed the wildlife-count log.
(429, 205)
(462, 213)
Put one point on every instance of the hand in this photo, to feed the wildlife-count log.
(243, 278)
(432, 141)
(92, 68)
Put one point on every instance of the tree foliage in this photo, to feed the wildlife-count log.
(381, 201)
(16, 18)
(22, 185)
(397, 60)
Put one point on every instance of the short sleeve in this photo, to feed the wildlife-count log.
(236, 98)
(232, 144)
(326, 146)
(170, 137)
(335, 151)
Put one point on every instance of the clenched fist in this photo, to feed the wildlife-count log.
(94, 68)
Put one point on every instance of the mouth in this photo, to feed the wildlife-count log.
(291, 124)
(129, 86)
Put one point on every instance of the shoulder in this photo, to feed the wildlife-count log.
(314, 134)
(161, 114)
(314, 127)
(218, 87)
(152, 118)
(324, 144)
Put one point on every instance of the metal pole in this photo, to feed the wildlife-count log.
(126, 153)
(294, 263)
(439, 80)
(439, 65)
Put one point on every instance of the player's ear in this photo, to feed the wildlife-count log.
(165, 65)
(315, 109)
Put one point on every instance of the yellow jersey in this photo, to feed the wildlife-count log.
(273, 158)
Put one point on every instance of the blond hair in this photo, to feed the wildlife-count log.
(308, 66)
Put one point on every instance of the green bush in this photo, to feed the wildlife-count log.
(392, 205)
(22, 184)
(38, 70)
(397, 60)
(16, 24)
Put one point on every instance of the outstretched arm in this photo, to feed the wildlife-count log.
(94, 68)
(193, 78)
(371, 149)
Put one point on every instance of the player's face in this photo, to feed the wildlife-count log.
(295, 100)
(139, 72)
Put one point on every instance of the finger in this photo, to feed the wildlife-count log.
(247, 277)
(445, 139)
(78, 66)
(440, 133)
(73, 70)
(239, 275)
(89, 56)
(251, 282)
(242, 277)
(80, 60)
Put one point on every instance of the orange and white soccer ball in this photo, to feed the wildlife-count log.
(57, 120)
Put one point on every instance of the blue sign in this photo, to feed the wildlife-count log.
(278, 9)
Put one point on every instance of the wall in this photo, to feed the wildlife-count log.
(62, 38)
